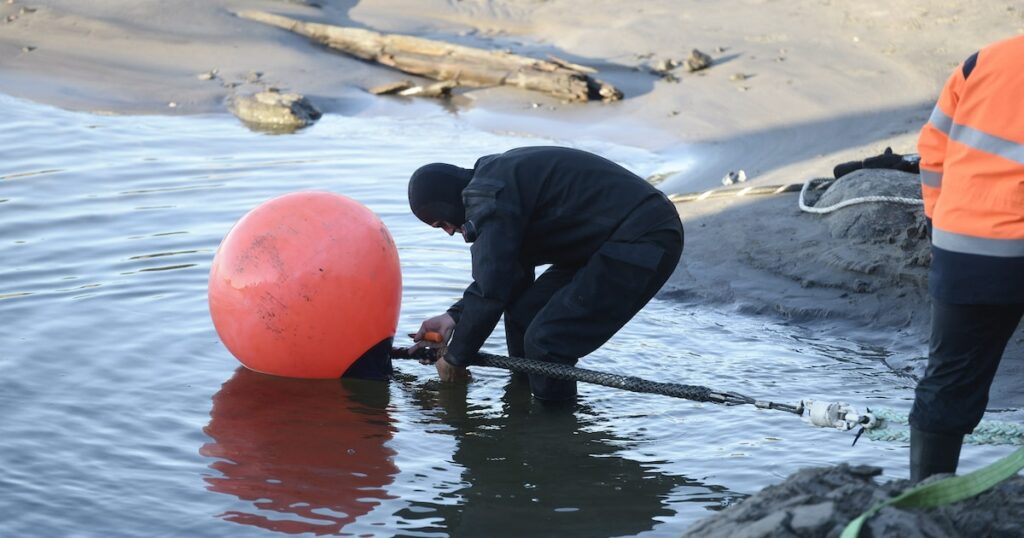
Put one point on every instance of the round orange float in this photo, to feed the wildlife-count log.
(304, 284)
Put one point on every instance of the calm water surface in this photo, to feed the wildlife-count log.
(121, 414)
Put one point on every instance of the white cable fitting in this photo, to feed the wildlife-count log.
(839, 415)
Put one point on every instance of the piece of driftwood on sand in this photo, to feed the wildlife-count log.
(464, 66)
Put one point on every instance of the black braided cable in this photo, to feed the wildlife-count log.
(571, 373)
(566, 372)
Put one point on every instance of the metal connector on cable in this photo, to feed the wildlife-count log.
(839, 415)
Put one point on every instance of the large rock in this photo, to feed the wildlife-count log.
(875, 221)
(820, 502)
(274, 111)
(898, 224)
(768, 257)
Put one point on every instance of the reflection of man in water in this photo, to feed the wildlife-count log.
(313, 451)
(539, 470)
(610, 237)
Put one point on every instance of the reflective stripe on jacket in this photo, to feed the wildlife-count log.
(972, 173)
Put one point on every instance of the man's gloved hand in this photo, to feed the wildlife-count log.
(893, 161)
(431, 347)
(443, 325)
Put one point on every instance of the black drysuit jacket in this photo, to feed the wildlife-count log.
(543, 205)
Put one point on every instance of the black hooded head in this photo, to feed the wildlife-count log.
(435, 193)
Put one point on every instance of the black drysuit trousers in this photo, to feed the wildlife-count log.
(570, 311)
(967, 344)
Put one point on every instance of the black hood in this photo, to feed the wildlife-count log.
(435, 193)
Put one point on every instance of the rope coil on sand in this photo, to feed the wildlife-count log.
(852, 201)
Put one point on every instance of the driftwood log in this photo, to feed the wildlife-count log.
(461, 65)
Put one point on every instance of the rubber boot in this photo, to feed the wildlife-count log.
(933, 453)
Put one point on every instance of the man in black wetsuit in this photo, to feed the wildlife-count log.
(611, 239)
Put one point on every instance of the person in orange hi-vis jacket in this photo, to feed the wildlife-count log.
(972, 181)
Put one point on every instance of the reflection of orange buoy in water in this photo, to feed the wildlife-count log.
(309, 455)
(305, 284)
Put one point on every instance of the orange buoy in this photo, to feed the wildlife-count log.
(304, 284)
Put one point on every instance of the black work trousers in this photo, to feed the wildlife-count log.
(967, 343)
(569, 312)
